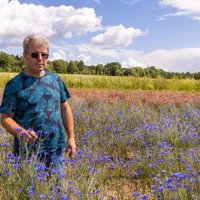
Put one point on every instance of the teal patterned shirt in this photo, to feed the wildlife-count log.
(36, 105)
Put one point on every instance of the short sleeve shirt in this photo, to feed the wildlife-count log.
(35, 103)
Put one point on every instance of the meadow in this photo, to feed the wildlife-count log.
(120, 82)
(131, 144)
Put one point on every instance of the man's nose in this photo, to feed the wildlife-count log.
(39, 56)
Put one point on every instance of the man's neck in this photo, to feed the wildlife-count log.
(34, 74)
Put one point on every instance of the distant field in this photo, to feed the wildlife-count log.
(122, 83)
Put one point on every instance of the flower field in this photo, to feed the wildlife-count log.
(130, 145)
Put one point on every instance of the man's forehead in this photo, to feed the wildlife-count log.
(37, 47)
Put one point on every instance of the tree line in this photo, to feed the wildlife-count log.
(12, 63)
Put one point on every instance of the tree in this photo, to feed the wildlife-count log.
(99, 69)
(113, 69)
(72, 68)
(128, 72)
(5, 61)
(80, 66)
(60, 66)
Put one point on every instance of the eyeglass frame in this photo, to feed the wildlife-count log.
(35, 55)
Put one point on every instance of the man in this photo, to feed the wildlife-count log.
(35, 108)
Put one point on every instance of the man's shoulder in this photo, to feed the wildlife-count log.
(16, 79)
(52, 76)
(14, 84)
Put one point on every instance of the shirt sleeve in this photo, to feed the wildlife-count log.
(8, 105)
(64, 92)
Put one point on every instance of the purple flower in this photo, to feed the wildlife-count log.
(42, 196)
(145, 196)
(112, 166)
(136, 194)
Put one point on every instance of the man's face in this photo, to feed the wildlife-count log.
(36, 59)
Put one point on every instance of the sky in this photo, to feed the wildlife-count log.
(142, 33)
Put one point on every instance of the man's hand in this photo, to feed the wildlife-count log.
(71, 147)
(28, 136)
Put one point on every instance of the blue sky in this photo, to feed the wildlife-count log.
(162, 33)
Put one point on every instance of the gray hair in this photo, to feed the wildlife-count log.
(36, 39)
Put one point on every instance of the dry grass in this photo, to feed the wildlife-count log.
(137, 97)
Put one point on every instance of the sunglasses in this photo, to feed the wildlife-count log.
(36, 55)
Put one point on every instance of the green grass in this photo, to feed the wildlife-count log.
(121, 83)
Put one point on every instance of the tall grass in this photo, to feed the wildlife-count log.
(124, 83)
(5, 77)
(130, 83)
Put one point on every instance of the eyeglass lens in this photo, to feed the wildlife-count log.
(36, 55)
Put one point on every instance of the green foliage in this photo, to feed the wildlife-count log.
(60, 66)
(10, 63)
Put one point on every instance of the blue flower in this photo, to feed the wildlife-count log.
(112, 166)
(136, 194)
(145, 196)
(42, 196)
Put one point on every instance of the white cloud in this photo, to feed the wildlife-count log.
(131, 62)
(184, 7)
(84, 58)
(60, 54)
(17, 20)
(178, 60)
(186, 59)
(116, 37)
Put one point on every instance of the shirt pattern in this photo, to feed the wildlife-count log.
(35, 103)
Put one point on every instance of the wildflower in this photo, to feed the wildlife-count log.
(145, 196)
(78, 193)
(52, 198)
(42, 196)
(98, 191)
(153, 191)
(109, 176)
(10, 155)
(136, 194)
(112, 166)
(158, 196)
(70, 188)
(192, 180)
(61, 176)
(171, 187)
(161, 188)
(5, 145)
(91, 169)
(168, 180)
(150, 165)
(153, 186)
(21, 189)
(18, 129)
(40, 167)
(22, 134)
(65, 197)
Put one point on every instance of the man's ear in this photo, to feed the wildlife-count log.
(24, 56)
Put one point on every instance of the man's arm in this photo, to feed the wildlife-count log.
(16, 130)
(67, 119)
